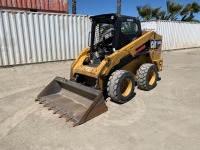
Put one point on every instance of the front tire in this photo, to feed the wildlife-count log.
(121, 85)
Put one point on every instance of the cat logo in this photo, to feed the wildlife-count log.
(155, 44)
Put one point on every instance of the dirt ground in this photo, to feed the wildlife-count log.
(168, 117)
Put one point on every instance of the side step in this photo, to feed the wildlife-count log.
(73, 101)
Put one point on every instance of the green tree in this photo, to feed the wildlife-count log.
(188, 11)
(147, 13)
(173, 11)
(156, 13)
(144, 12)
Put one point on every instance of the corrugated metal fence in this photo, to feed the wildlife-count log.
(41, 37)
(176, 35)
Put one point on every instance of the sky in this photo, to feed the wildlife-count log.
(95, 7)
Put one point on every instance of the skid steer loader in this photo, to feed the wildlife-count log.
(120, 56)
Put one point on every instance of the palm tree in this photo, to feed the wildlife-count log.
(173, 10)
(118, 6)
(148, 13)
(156, 13)
(144, 12)
(73, 6)
(162, 15)
(189, 10)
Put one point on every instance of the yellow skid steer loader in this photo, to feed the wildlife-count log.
(120, 56)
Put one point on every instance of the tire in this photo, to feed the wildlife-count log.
(120, 86)
(147, 77)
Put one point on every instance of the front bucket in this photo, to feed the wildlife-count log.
(73, 101)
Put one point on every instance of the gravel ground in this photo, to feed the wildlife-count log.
(168, 117)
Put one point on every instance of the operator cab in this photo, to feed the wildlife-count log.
(111, 32)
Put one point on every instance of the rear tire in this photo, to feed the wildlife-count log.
(120, 86)
(147, 77)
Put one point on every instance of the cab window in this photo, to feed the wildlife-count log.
(129, 28)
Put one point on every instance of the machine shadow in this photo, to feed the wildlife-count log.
(124, 102)
(159, 79)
